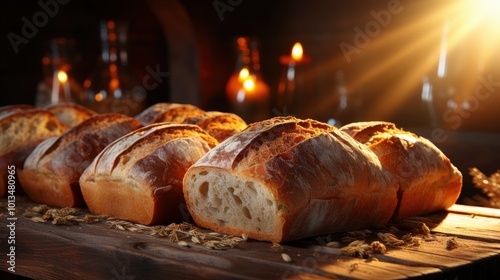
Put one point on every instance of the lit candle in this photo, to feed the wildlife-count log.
(294, 84)
(63, 80)
(296, 57)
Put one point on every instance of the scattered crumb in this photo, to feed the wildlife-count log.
(333, 244)
(451, 244)
(286, 257)
(353, 266)
(276, 247)
(378, 247)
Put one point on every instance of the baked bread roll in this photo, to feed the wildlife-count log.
(20, 132)
(8, 109)
(284, 179)
(168, 112)
(52, 170)
(147, 116)
(177, 113)
(427, 180)
(142, 172)
(70, 114)
(218, 124)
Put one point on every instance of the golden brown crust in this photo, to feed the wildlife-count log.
(428, 181)
(218, 124)
(52, 171)
(70, 114)
(319, 178)
(20, 132)
(9, 109)
(143, 172)
(177, 113)
(168, 112)
(147, 116)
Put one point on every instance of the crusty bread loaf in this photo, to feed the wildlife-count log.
(139, 176)
(168, 112)
(285, 178)
(177, 113)
(20, 132)
(70, 114)
(218, 124)
(427, 179)
(147, 116)
(52, 170)
(9, 109)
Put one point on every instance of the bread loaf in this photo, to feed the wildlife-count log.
(285, 178)
(147, 116)
(70, 114)
(427, 180)
(218, 124)
(139, 176)
(168, 112)
(8, 109)
(52, 170)
(20, 132)
(177, 113)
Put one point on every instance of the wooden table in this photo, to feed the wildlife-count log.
(96, 251)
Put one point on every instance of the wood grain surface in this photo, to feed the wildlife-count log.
(97, 251)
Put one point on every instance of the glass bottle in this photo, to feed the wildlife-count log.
(246, 90)
(58, 84)
(112, 87)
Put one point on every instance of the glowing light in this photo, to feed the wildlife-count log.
(244, 73)
(297, 51)
(62, 76)
(114, 83)
(483, 8)
(99, 97)
(249, 84)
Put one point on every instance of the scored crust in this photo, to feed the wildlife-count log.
(70, 114)
(52, 170)
(427, 179)
(143, 171)
(285, 178)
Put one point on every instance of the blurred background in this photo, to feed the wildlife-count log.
(429, 66)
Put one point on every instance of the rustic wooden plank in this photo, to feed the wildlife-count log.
(95, 251)
(463, 225)
(474, 210)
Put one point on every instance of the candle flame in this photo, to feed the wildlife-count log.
(249, 84)
(62, 76)
(297, 51)
(244, 73)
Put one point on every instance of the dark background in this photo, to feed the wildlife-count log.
(384, 79)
